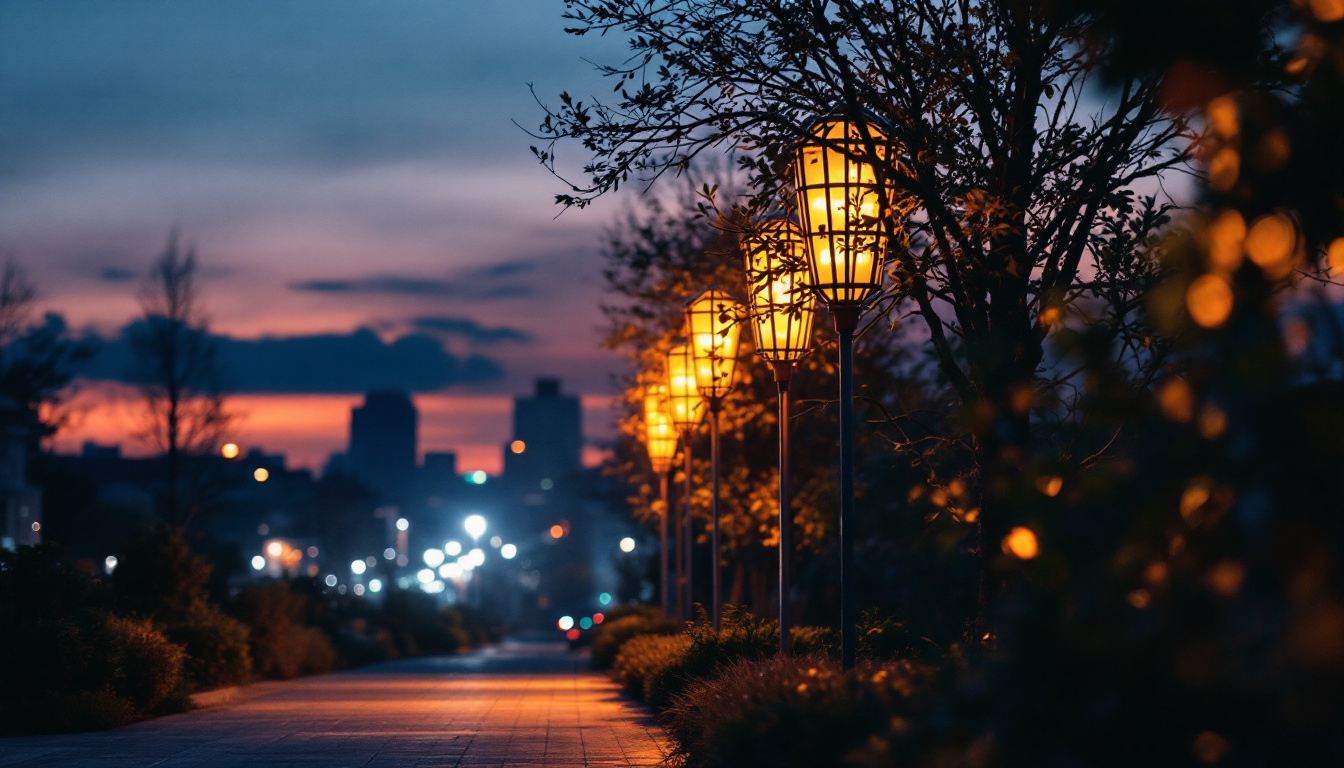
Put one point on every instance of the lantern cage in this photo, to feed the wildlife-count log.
(781, 304)
(685, 404)
(660, 435)
(713, 326)
(844, 205)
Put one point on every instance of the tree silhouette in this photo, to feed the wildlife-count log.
(179, 372)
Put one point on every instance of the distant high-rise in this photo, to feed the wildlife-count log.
(547, 435)
(383, 444)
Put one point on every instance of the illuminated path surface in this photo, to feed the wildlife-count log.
(519, 704)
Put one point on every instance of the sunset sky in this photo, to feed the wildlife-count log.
(364, 211)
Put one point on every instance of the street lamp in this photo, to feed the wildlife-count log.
(781, 317)
(712, 328)
(687, 408)
(660, 440)
(844, 207)
(475, 526)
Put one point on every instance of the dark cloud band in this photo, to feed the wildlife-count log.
(323, 363)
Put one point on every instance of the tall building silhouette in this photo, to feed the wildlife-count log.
(547, 435)
(383, 444)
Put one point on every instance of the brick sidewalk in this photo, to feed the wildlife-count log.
(515, 705)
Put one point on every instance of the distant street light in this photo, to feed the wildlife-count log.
(660, 441)
(781, 317)
(433, 557)
(452, 548)
(508, 551)
(358, 566)
(844, 208)
(229, 450)
(261, 474)
(712, 330)
(627, 544)
(475, 526)
(687, 408)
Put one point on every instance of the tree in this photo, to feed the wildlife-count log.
(1035, 202)
(180, 375)
(38, 359)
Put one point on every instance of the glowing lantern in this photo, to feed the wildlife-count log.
(685, 405)
(713, 322)
(843, 206)
(780, 304)
(660, 434)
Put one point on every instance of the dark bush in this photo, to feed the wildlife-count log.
(643, 662)
(142, 665)
(74, 712)
(217, 650)
(420, 625)
(612, 633)
(797, 711)
(282, 645)
(358, 642)
(66, 662)
(159, 575)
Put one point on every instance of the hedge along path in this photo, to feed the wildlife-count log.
(517, 705)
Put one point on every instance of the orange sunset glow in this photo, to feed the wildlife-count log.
(307, 429)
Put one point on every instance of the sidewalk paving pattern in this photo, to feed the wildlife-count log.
(516, 705)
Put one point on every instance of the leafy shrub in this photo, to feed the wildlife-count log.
(358, 642)
(66, 663)
(882, 638)
(217, 653)
(159, 575)
(75, 711)
(282, 646)
(142, 665)
(420, 625)
(654, 669)
(796, 711)
(641, 665)
(615, 631)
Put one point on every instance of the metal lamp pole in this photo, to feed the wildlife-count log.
(713, 328)
(687, 407)
(781, 308)
(843, 206)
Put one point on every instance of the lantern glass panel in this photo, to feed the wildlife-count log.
(685, 403)
(713, 321)
(660, 435)
(844, 208)
(781, 304)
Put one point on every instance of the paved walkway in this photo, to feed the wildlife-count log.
(518, 704)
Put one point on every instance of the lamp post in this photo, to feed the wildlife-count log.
(660, 440)
(687, 408)
(843, 209)
(781, 310)
(713, 328)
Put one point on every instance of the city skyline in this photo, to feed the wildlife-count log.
(353, 185)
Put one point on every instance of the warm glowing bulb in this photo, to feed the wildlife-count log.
(1021, 543)
(557, 531)
(517, 446)
(627, 544)
(275, 549)
(261, 474)
(229, 451)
